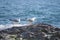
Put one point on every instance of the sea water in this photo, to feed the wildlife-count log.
(45, 11)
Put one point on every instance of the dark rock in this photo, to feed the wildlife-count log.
(35, 31)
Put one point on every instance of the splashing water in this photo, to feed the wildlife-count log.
(46, 11)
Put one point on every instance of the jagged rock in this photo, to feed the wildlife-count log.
(57, 29)
(40, 31)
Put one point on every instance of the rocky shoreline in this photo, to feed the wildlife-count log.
(40, 31)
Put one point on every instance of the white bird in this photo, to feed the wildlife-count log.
(32, 19)
(15, 20)
(19, 20)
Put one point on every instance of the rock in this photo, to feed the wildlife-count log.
(40, 31)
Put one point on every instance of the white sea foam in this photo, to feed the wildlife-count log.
(2, 27)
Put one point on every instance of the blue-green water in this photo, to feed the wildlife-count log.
(46, 11)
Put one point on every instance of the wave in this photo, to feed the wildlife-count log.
(2, 27)
(47, 13)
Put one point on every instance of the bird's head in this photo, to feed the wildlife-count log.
(33, 19)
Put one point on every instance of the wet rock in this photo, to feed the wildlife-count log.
(40, 31)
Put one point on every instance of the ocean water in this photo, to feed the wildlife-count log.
(45, 11)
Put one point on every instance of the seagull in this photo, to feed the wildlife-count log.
(15, 20)
(31, 19)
